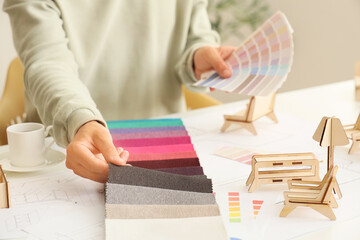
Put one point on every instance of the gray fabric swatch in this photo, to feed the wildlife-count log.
(128, 194)
(130, 175)
(122, 211)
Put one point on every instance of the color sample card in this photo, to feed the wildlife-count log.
(257, 206)
(238, 154)
(262, 62)
(165, 180)
(234, 207)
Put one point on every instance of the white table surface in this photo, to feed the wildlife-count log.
(305, 105)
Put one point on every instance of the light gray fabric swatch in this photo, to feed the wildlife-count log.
(128, 194)
(124, 211)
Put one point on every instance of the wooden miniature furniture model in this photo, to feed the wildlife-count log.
(280, 168)
(316, 195)
(353, 132)
(4, 191)
(258, 107)
(330, 133)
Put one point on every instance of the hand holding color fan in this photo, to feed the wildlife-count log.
(261, 64)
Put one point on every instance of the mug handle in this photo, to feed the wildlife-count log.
(46, 132)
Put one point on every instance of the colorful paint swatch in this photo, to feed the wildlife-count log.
(257, 206)
(238, 154)
(234, 207)
(262, 62)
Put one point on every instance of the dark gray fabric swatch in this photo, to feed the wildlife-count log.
(128, 194)
(130, 175)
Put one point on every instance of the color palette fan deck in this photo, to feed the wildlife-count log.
(262, 62)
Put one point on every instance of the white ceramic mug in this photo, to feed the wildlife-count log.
(27, 144)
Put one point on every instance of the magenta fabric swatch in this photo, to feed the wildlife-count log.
(142, 142)
(160, 149)
(162, 156)
(158, 134)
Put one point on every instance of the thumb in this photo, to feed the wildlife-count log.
(108, 150)
(218, 63)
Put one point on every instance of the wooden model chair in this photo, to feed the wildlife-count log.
(4, 191)
(353, 133)
(258, 107)
(313, 194)
(12, 102)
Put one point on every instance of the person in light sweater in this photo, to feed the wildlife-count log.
(90, 61)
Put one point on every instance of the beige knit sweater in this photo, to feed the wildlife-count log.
(106, 59)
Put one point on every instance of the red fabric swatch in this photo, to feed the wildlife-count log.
(168, 163)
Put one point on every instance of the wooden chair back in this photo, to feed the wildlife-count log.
(357, 69)
(357, 123)
(4, 191)
(198, 100)
(329, 184)
(12, 102)
(260, 106)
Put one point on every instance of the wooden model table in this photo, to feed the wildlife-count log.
(279, 168)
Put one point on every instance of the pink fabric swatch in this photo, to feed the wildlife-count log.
(162, 156)
(142, 142)
(159, 134)
(160, 149)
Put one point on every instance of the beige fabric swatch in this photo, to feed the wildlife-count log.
(160, 211)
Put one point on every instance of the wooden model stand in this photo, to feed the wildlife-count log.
(4, 191)
(316, 195)
(353, 133)
(258, 107)
(280, 168)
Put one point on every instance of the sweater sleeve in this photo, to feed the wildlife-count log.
(51, 76)
(200, 34)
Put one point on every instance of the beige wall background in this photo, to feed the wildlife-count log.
(327, 42)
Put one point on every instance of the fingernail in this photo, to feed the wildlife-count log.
(125, 155)
(116, 159)
(119, 150)
(226, 72)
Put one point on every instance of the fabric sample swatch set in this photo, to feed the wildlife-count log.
(262, 62)
(164, 194)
